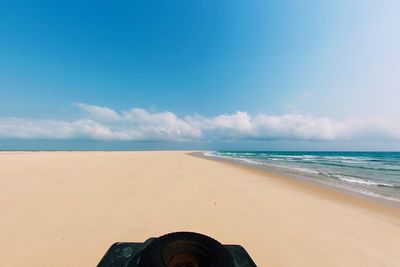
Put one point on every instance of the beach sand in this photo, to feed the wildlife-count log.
(67, 208)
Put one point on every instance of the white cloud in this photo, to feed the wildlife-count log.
(102, 123)
(35, 129)
(102, 113)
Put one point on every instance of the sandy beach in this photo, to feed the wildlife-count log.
(67, 208)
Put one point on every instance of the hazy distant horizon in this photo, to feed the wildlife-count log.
(90, 145)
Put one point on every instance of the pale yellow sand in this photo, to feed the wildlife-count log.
(67, 208)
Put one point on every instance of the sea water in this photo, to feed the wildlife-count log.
(375, 174)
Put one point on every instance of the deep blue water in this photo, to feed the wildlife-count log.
(375, 174)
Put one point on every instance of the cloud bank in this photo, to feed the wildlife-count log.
(136, 124)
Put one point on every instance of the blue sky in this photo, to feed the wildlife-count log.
(305, 74)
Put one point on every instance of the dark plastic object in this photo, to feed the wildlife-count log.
(181, 249)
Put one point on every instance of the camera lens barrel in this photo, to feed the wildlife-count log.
(185, 249)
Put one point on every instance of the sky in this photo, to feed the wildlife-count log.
(236, 75)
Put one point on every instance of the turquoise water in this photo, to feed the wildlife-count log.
(374, 174)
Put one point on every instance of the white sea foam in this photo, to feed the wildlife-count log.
(295, 156)
(250, 161)
(361, 181)
(373, 194)
(298, 169)
(305, 170)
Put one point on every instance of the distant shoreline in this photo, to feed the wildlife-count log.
(197, 150)
(348, 195)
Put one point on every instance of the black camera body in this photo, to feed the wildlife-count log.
(180, 249)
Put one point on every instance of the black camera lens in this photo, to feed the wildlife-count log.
(184, 253)
(185, 249)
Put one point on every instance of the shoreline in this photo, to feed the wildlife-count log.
(320, 189)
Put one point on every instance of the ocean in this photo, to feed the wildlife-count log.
(375, 174)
